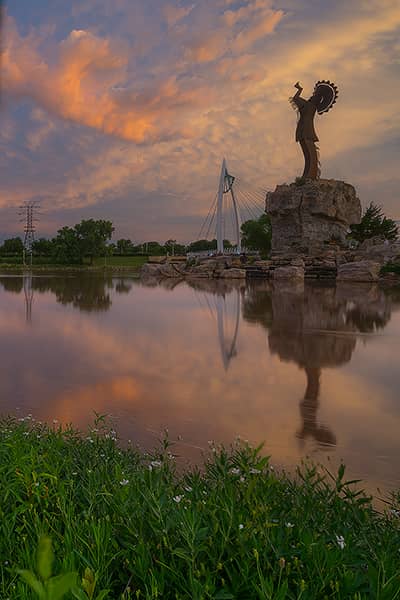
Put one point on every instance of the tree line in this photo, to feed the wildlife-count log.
(92, 238)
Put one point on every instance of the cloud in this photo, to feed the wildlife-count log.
(83, 86)
(173, 14)
(215, 83)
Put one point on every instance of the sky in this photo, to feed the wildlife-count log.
(123, 110)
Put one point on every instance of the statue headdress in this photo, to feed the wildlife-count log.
(326, 94)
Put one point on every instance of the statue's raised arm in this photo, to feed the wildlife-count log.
(323, 98)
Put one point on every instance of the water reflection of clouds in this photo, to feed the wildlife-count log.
(153, 360)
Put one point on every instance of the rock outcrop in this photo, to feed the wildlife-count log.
(363, 270)
(289, 272)
(307, 217)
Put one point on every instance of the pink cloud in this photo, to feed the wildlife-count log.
(82, 86)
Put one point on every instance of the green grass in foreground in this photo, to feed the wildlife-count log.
(127, 525)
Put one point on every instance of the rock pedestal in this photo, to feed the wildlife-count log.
(307, 217)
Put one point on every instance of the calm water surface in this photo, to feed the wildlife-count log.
(309, 370)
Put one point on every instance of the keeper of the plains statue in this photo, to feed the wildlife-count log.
(323, 98)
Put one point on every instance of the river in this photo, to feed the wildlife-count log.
(309, 370)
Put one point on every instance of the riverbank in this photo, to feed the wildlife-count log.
(141, 529)
(114, 264)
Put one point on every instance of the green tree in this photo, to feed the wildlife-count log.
(124, 246)
(256, 234)
(12, 246)
(66, 247)
(172, 247)
(43, 247)
(374, 223)
(153, 248)
(202, 245)
(92, 237)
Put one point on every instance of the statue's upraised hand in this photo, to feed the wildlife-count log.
(298, 86)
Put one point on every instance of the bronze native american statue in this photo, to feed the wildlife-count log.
(323, 98)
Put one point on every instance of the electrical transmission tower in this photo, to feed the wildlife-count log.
(28, 212)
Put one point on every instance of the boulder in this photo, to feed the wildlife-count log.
(169, 270)
(309, 217)
(157, 259)
(233, 273)
(289, 272)
(151, 270)
(297, 262)
(363, 270)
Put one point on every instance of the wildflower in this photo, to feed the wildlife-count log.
(289, 525)
(26, 433)
(242, 479)
(255, 471)
(74, 473)
(395, 513)
(89, 439)
(55, 421)
(178, 498)
(241, 525)
(124, 482)
(156, 463)
(234, 471)
(188, 488)
(340, 541)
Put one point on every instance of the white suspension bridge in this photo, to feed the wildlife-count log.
(234, 203)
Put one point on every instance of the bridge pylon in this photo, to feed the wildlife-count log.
(226, 182)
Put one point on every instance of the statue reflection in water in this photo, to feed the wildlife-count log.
(315, 327)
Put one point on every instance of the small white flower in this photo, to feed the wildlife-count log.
(55, 421)
(178, 498)
(89, 439)
(395, 513)
(289, 525)
(74, 473)
(242, 479)
(340, 541)
(89, 470)
(255, 471)
(26, 433)
(241, 526)
(187, 488)
(234, 471)
(37, 483)
(156, 463)
(124, 482)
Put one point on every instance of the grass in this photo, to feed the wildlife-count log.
(112, 262)
(118, 261)
(128, 525)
